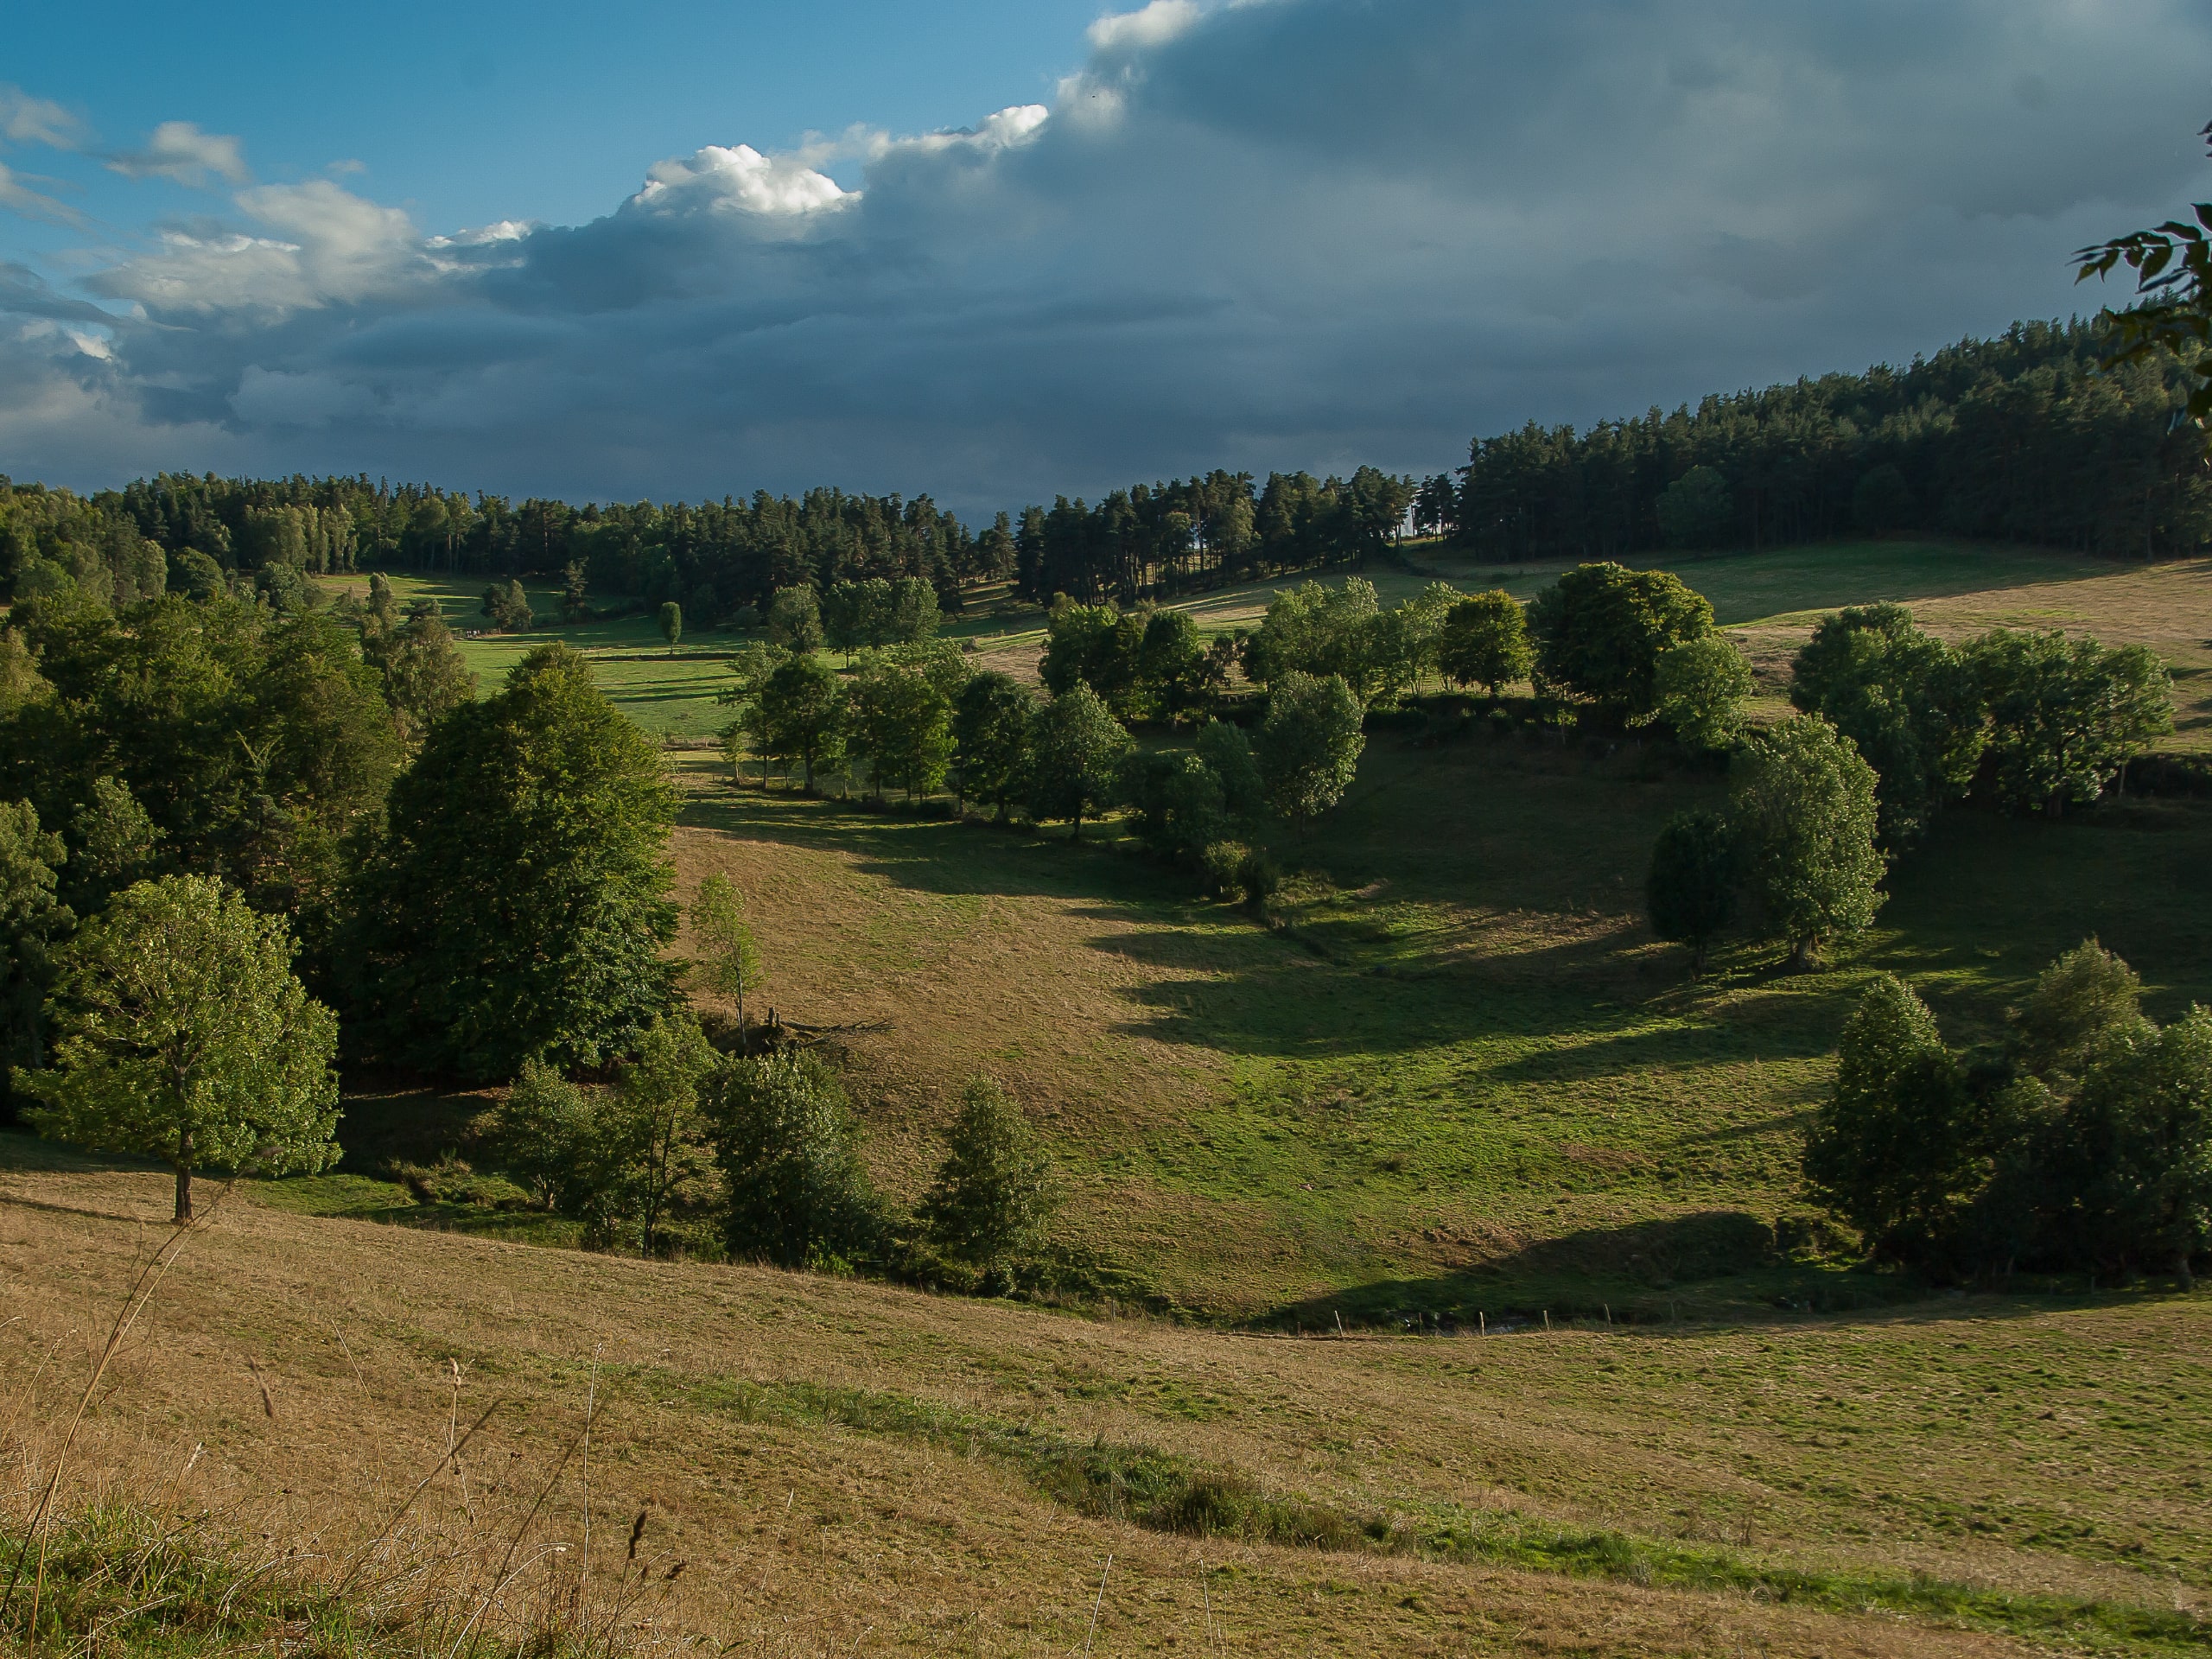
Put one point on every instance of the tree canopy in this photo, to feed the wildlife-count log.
(517, 904)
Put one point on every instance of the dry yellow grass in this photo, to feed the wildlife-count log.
(311, 1359)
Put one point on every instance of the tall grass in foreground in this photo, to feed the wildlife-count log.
(107, 1551)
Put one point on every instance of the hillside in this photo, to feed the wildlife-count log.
(848, 1467)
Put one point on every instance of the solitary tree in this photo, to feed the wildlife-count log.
(1803, 814)
(1485, 642)
(672, 624)
(994, 1192)
(574, 607)
(1309, 745)
(1075, 753)
(729, 957)
(184, 1036)
(1691, 893)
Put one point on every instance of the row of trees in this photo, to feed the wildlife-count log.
(2034, 436)
(2082, 1139)
(917, 719)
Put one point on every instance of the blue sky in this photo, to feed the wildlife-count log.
(1000, 250)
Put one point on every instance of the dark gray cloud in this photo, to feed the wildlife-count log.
(1291, 233)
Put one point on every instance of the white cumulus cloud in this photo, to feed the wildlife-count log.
(178, 150)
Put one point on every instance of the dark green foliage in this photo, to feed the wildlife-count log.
(1228, 753)
(994, 1192)
(990, 733)
(1178, 807)
(784, 1137)
(1802, 811)
(1485, 642)
(2173, 273)
(1894, 1149)
(1690, 895)
(508, 606)
(1882, 501)
(671, 622)
(2065, 715)
(517, 905)
(1702, 686)
(1599, 631)
(1075, 755)
(801, 715)
(116, 844)
(1309, 745)
(1697, 512)
(539, 1132)
(877, 612)
(254, 743)
(1094, 646)
(575, 605)
(1912, 706)
(2089, 1146)
(2028, 437)
(645, 1151)
(33, 921)
(795, 619)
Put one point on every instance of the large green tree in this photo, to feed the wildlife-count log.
(801, 715)
(1701, 686)
(517, 902)
(183, 1035)
(900, 721)
(991, 725)
(1308, 746)
(1600, 629)
(1075, 753)
(1802, 812)
(994, 1192)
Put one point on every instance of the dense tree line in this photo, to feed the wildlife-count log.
(715, 560)
(2032, 436)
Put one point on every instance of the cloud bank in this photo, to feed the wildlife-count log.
(1276, 233)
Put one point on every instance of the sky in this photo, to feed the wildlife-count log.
(995, 250)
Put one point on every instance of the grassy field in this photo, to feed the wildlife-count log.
(1982, 1476)
(1769, 600)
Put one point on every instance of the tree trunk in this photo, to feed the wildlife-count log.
(183, 1194)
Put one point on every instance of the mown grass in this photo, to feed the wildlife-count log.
(1166, 1493)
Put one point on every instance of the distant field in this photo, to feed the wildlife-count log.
(1984, 1476)
(1770, 600)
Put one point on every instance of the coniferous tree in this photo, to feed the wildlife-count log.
(994, 1193)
